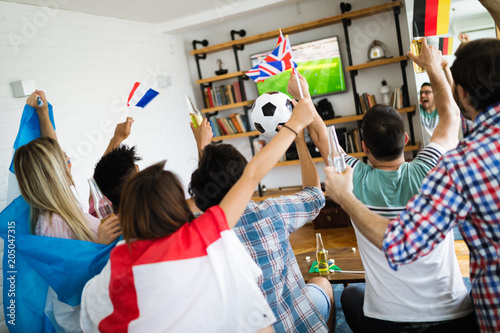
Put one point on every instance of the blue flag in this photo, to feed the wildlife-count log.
(29, 129)
(32, 264)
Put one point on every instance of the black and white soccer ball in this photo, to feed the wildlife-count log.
(270, 110)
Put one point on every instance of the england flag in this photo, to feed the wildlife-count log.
(199, 279)
(276, 62)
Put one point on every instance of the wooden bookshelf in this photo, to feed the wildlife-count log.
(376, 63)
(221, 77)
(415, 147)
(300, 27)
(346, 119)
(227, 107)
(234, 136)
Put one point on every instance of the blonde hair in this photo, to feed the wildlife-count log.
(45, 183)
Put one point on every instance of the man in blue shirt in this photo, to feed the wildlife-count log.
(264, 229)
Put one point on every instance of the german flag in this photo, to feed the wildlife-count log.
(446, 45)
(431, 17)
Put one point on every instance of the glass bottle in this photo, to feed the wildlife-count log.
(194, 113)
(335, 156)
(321, 255)
(102, 205)
(416, 47)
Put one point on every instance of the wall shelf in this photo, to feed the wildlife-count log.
(376, 63)
(346, 119)
(415, 147)
(227, 107)
(300, 27)
(221, 77)
(235, 136)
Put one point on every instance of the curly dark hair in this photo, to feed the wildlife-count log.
(113, 170)
(218, 170)
(384, 132)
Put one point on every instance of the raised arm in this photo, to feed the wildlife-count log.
(493, 7)
(203, 135)
(447, 72)
(317, 128)
(237, 198)
(46, 128)
(122, 131)
(307, 168)
(446, 132)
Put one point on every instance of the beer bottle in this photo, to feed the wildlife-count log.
(102, 205)
(321, 256)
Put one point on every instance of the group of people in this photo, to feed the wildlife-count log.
(219, 262)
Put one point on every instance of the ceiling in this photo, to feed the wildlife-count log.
(177, 16)
(171, 15)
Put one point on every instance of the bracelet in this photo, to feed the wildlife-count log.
(286, 126)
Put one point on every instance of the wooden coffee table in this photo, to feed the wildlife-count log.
(345, 258)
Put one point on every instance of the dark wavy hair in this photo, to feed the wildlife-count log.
(384, 132)
(153, 204)
(218, 170)
(113, 170)
(477, 69)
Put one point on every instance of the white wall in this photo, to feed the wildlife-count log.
(362, 33)
(87, 65)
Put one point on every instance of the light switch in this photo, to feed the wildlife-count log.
(23, 88)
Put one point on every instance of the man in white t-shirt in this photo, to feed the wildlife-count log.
(428, 294)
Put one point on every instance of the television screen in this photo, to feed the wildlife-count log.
(318, 61)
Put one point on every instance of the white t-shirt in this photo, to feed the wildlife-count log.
(428, 289)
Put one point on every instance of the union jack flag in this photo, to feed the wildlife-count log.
(276, 62)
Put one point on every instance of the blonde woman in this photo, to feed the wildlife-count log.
(45, 182)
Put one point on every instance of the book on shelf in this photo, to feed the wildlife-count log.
(367, 101)
(215, 127)
(356, 139)
(397, 98)
(237, 91)
(222, 95)
(234, 124)
(231, 126)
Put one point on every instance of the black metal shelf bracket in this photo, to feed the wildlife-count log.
(198, 57)
(236, 48)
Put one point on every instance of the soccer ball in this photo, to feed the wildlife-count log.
(270, 110)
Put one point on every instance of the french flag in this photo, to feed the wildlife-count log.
(141, 95)
(198, 279)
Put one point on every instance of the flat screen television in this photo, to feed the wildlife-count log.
(318, 61)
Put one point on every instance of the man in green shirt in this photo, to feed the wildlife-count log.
(428, 113)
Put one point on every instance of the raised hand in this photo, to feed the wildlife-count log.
(338, 185)
(293, 87)
(429, 57)
(122, 130)
(202, 134)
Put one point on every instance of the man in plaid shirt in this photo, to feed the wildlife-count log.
(264, 229)
(463, 189)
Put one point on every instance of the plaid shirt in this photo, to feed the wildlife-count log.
(264, 230)
(463, 189)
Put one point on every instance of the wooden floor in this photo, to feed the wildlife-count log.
(304, 240)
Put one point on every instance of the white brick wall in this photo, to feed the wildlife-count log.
(87, 65)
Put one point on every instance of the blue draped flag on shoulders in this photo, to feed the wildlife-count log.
(35, 267)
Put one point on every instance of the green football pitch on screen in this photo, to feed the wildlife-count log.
(324, 76)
